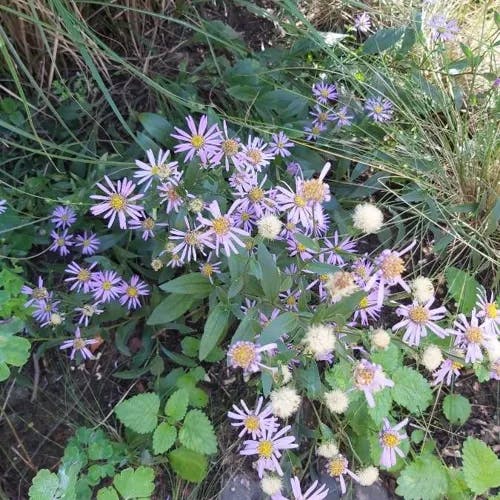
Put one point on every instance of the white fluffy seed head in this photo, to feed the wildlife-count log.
(195, 205)
(282, 375)
(284, 402)
(340, 284)
(381, 338)
(271, 485)
(319, 340)
(56, 319)
(432, 357)
(493, 349)
(423, 289)
(328, 449)
(368, 476)
(367, 218)
(156, 264)
(269, 227)
(336, 401)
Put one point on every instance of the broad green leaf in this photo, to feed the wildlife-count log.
(322, 268)
(411, 390)
(383, 39)
(339, 377)
(423, 479)
(156, 126)
(108, 493)
(176, 405)
(215, 328)
(340, 311)
(270, 279)
(164, 438)
(137, 483)
(462, 287)
(481, 466)
(188, 464)
(383, 404)
(457, 487)
(389, 359)
(139, 413)
(14, 325)
(189, 284)
(45, 485)
(456, 408)
(308, 243)
(248, 327)
(197, 433)
(4, 372)
(308, 379)
(170, 309)
(283, 324)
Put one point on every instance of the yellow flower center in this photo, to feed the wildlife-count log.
(419, 315)
(322, 116)
(245, 216)
(313, 190)
(378, 109)
(299, 201)
(364, 376)
(336, 467)
(324, 92)
(117, 202)
(255, 156)
(455, 365)
(392, 266)
(197, 141)
(491, 310)
(390, 439)
(291, 300)
(60, 242)
(192, 238)
(148, 224)
(221, 226)
(230, 147)
(155, 169)
(106, 285)
(207, 270)
(88, 310)
(40, 293)
(83, 275)
(315, 130)
(78, 343)
(265, 449)
(256, 194)
(132, 291)
(252, 423)
(473, 334)
(324, 278)
(290, 226)
(243, 355)
(86, 243)
(301, 247)
(363, 303)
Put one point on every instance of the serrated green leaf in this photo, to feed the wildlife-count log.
(462, 287)
(189, 284)
(188, 464)
(45, 485)
(411, 390)
(457, 487)
(108, 493)
(389, 359)
(197, 433)
(383, 404)
(283, 324)
(176, 406)
(423, 479)
(164, 438)
(339, 377)
(137, 483)
(139, 413)
(456, 408)
(4, 372)
(215, 327)
(170, 308)
(481, 466)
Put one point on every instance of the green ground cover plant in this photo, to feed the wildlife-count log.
(275, 257)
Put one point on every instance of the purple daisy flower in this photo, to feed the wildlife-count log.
(77, 344)
(471, 336)
(336, 248)
(89, 242)
(489, 310)
(389, 439)
(44, 309)
(81, 276)
(294, 247)
(369, 378)
(294, 168)
(37, 293)
(324, 92)
(268, 448)
(314, 492)
(368, 309)
(362, 22)
(446, 371)
(117, 201)
(199, 139)
(337, 468)
(229, 151)
(168, 193)
(495, 370)
(280, 145)
(61, 242)
(188, 242)
(222, 230)
(290, 299)
(104, 286)
(314, 131)
(208, 269)
(130, 292)
(158, 169)
(443, 29)
(87, 311)
(245, 218)
(253, 422)
(418, 320)
(248, 356)
(3, 206)
(379, 109)
(257, 154)
(147, 226)
(342, 117)
(321, 116)
(363, 270)
(63, 217)
(294, 204)
(255, 199)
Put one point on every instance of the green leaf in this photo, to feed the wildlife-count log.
(197, 433)
(383, 404)
(270, 279)
(176, 406)
(283, 324)
(481, 466)
(309, 243)
(215, 327)
(137, 483)
(189, 284)
(339, 377)
(456, 408)
(389, 359)
(108, 493)
(4, 372)
(457, 487)
(170, 309)
(45, 485)
(423, 479)
(244, 93)
(188, 464)
(322, 268)
(156, 126)
(382, 40)
(139, 413)
(411, 390)
(164, 438)
(462, 287)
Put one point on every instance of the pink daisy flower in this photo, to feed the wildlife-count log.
(79, 345)
(118, 201)
(248, 356)
(294, 204)
(389, 440)
(337, 468)
(253, 422)
(257, 155)
(169, 194)
(369, 378)
(130, 292)
(471, 336)
(229, 151)
(445, 373)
